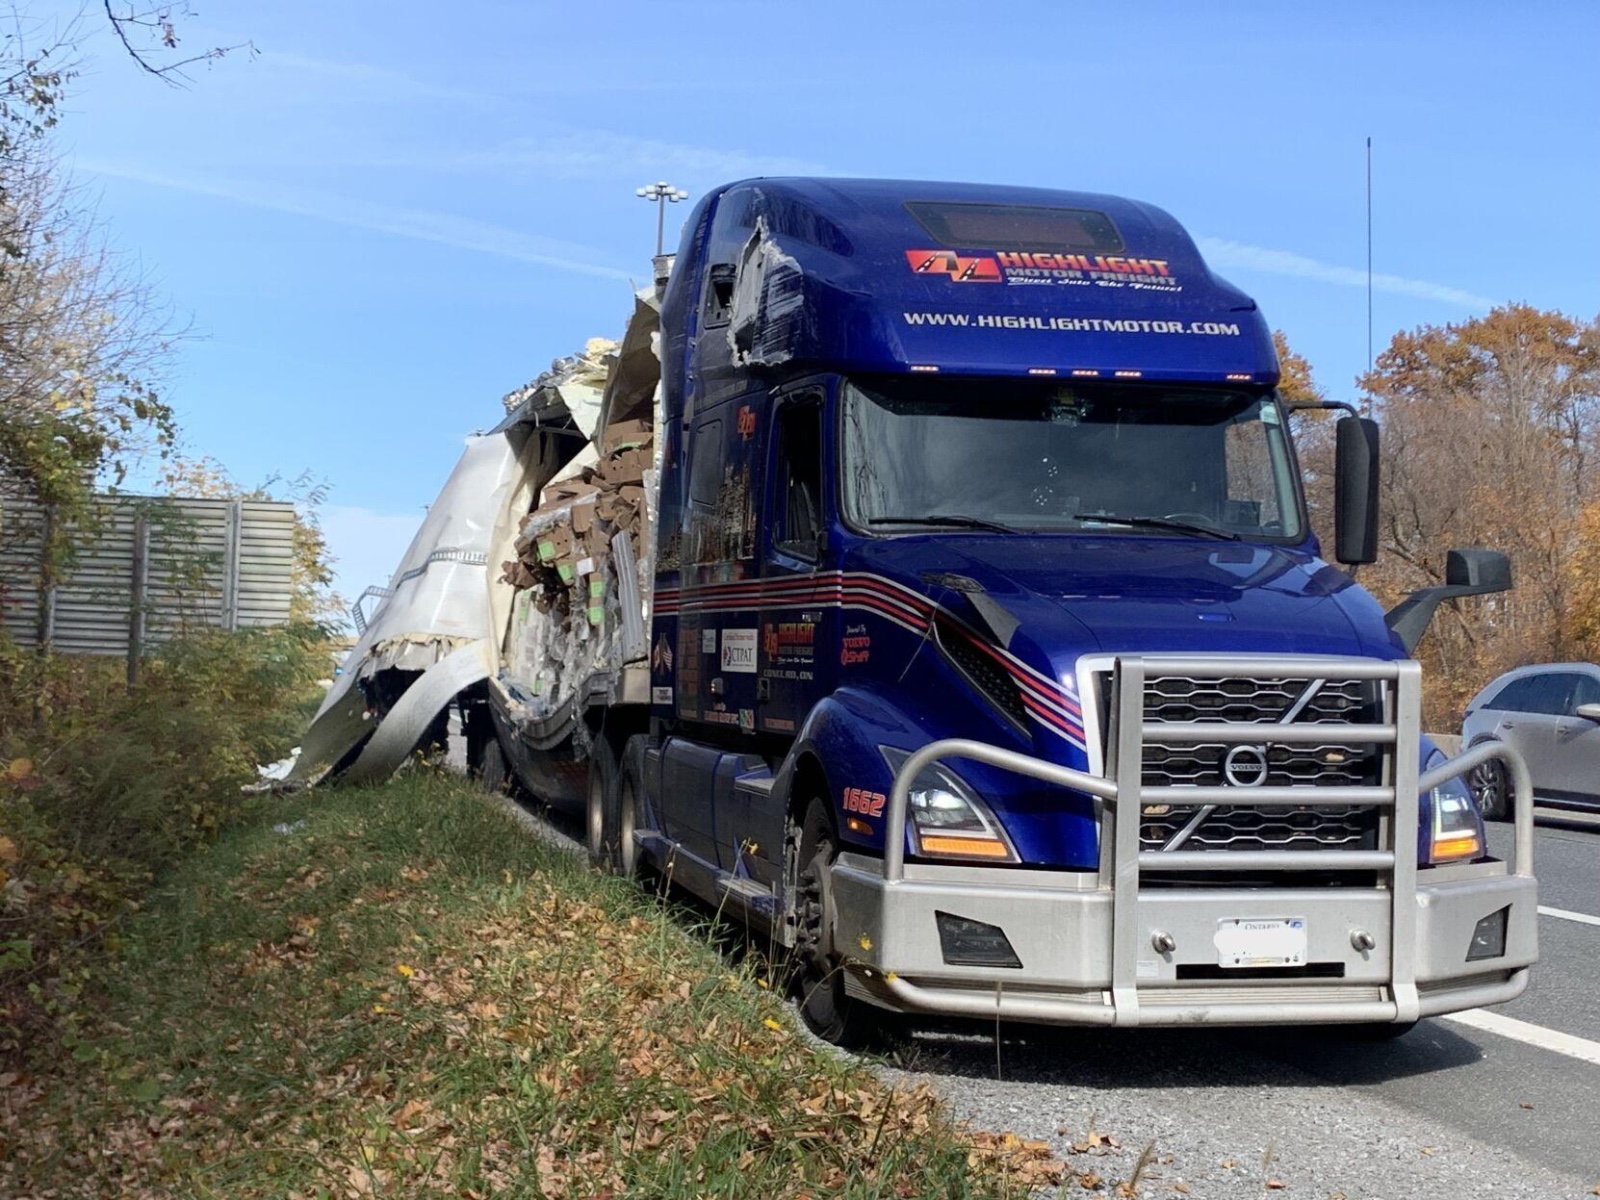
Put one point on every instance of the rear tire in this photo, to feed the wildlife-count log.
(600, 837)
(1491, 790)
(825, 1006)
(493, 773)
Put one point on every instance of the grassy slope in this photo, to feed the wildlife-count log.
(405, 995)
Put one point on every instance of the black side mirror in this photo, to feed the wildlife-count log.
(1355, 490)
(1481, 570)
(1466, 573)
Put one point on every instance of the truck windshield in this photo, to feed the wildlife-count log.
(1027, 455)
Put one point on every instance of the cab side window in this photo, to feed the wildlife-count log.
(705, 466)
(797, 500)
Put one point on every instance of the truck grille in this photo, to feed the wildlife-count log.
(1352, 828)
(1264, 701)
(1171, 698)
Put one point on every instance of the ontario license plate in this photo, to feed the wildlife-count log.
(1261, 942)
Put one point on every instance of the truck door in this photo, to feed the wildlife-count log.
(797, 629)
(717, 644)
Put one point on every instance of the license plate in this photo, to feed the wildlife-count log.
(1261, 942)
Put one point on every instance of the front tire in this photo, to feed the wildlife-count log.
(1491, 790)
(825, 1006)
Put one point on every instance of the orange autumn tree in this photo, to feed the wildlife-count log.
(1313, 436)
(1491, 433)
(1583, 571)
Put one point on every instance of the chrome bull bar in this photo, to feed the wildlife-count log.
(1122, 795)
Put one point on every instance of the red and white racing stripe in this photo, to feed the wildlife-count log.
(1048, 701)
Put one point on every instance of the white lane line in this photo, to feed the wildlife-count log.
(1568, 915)
(1579, 1048)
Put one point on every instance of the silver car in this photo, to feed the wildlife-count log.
(1551, 714)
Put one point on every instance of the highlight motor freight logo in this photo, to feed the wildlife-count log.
(960, 267)
(1044, 268)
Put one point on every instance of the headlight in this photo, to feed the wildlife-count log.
(1457, 827)
(946, 819)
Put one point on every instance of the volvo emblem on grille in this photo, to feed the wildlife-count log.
(1245, 766)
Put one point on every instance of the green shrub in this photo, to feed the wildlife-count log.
(101, 790)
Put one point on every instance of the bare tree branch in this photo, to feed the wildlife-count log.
(160, 25)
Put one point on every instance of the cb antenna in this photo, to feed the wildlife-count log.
(1369, 255)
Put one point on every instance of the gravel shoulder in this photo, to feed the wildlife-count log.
(1230, 1113)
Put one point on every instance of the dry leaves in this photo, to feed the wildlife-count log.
(390, 1039)
(1095, 1142)
(1029, 1163)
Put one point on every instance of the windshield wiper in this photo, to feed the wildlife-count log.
(955, 519)
(1158, 523)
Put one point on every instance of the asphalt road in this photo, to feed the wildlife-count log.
(1450, 1111)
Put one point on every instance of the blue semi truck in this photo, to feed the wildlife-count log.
(932, 586)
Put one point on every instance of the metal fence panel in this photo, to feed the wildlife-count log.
(171, 562)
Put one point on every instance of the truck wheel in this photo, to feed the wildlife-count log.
(493, 774)
(827, 1010)
(604, 788)
(1491, 790)
(630, 810)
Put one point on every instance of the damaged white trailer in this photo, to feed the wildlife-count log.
(523, 599)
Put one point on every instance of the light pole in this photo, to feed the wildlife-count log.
(661, 194)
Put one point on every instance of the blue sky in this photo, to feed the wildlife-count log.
(397, 212)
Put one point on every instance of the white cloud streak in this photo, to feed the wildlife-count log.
(1226, 255)
(379, 83)
(445, 229)
(599, 154)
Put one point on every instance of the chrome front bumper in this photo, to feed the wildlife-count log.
(1061, 929)
(1106, 947)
